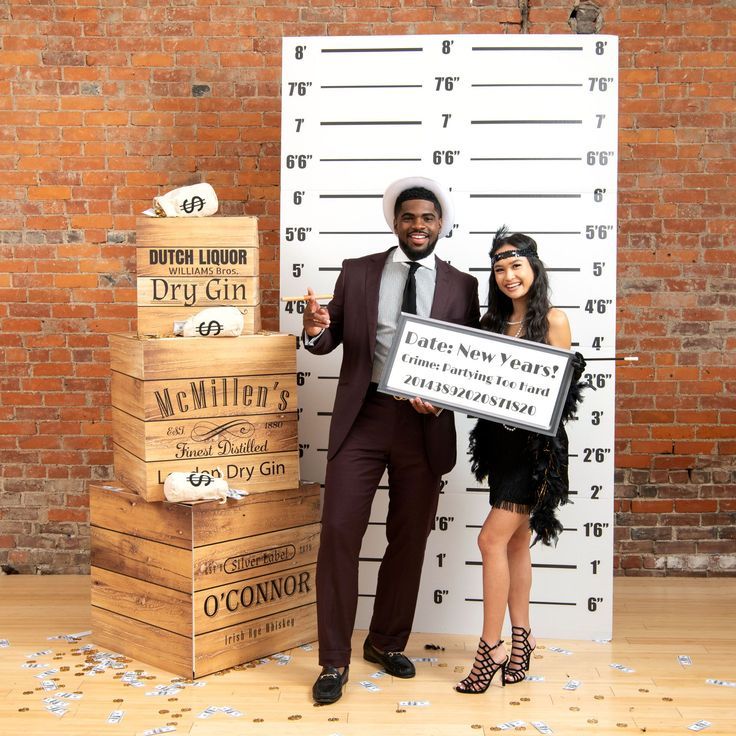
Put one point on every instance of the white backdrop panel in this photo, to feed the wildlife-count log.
(523, 129)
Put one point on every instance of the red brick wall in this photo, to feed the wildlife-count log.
(104, 104)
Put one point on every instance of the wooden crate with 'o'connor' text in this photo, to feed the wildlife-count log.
(185, 264)
(225, 406)
(197, 588)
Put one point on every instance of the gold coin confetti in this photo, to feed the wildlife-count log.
(273, 687)
(163, 712)
(118, 700)
(23, 710)
(514, 702)
(401, 710)
(476, 725)
(333, 718)
(172, 700)
(667, 700)
(599, 697)
(186, 710)
(525, 700)
(260, 720)
(176, 715)
(28, 692)
(295, 718)
(592, 720)
(574, 707)
(622, 725)
(643, 690)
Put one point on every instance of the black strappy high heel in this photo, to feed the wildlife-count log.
(483, 670)
(519, 663)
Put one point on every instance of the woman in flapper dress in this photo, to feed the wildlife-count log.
(526, 471)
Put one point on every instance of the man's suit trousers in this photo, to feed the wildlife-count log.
(386, 434)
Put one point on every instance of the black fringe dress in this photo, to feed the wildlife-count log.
(527, 471)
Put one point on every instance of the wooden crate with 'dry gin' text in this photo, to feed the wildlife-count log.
(223, 406)
(195, 588)
(185, 265)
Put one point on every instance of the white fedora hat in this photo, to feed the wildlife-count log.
(410, 182)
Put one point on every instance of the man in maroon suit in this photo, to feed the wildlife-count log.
(371, 431)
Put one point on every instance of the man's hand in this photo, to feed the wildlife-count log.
(424, 407)
(315, 318)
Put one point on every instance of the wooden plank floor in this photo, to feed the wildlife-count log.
(655, 621)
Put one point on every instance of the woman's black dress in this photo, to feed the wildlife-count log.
(527, 471)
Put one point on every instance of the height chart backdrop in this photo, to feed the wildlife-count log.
(523, 130)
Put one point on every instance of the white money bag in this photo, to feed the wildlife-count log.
(212, 322)
(197, 200)
(194, 487)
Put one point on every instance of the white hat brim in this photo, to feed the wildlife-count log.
(443, 197)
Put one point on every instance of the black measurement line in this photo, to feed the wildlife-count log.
(526, 158)
(365, 160)
(567, 306)
(324, 413)
(351, 196)
(327, 378)
(329, 268)
(527, 48)
(551, 603)
(373, 86)
(536, 603)
(487, 269)
(370, 559)
(371, 122)
(474, 563)
(526, 122)
(354, 232)
(526, 196)
(586, 358)
(527, 84)
(387, 49)
(529, 232)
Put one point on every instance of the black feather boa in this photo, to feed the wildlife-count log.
(548, 454)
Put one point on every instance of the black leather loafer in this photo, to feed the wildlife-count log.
(328, 686)
(395, 663)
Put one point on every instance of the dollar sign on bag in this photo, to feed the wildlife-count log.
(188, 205)
(212, 328)
(199, 479)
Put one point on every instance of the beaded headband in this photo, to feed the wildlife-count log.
(528, 252)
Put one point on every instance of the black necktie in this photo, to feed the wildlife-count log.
(409, 302)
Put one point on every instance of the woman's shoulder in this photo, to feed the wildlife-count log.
(559, 328)
(557, 318)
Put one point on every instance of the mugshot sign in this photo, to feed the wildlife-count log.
(483, 374)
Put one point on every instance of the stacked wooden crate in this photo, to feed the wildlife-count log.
(195, 588)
